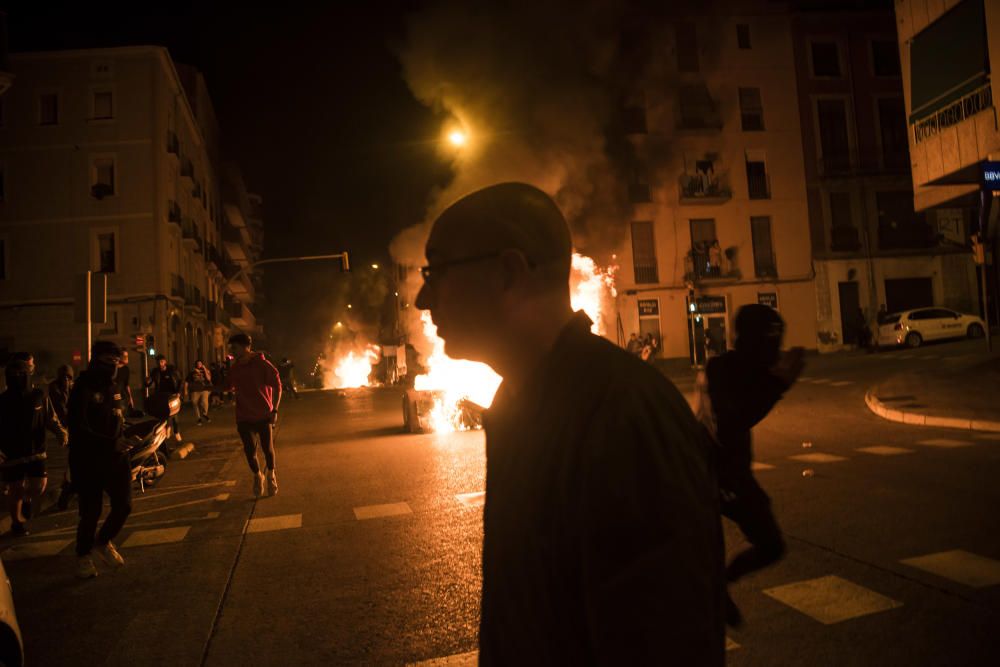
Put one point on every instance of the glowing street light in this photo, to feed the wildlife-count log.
(349, 306)
(375, 266)
(339, 325)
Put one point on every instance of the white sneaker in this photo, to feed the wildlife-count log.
(258, 485)
(109, 554)
(85, 568)
(272, 483)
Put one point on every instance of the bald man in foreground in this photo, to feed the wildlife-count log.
(602, 541)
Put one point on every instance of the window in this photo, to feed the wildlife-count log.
(743, 35)
(687, 46)
(751, 110)
(106, 252)
(825, 59)
(831, 115)
(840, 209)
(48, 109)
(102, 177)
(763, 250)
(103, 103)
(644, 253)
(893, 133)
(706, 255)
(698, 109)
(757, 181)
(885, 57)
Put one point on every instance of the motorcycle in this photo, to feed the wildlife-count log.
(148, 454)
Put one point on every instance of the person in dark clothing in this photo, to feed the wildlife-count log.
(198, 385)
(25, 414)
(742, 386)
(286, 371)
(634, 345)
(123, 379)
(98, 457)
(864, 331)
(59, 395)
(165, 379)
(602, 541)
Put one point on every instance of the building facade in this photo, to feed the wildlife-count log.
(948, 51)
(111, 164)
(720, 215)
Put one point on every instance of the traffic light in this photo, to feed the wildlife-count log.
(150, 345)
(140, 343)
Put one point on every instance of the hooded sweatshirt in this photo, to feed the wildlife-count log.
(258, 388)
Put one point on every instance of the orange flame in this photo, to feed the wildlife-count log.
(352, 370)
(592, 290)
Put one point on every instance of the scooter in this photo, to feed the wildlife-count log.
(147, 457)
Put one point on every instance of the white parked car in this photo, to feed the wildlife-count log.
(913, 327)
(11, 646)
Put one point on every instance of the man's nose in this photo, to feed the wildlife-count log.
(423, 301)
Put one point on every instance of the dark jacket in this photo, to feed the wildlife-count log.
(742, 392)
(96, 420)
(23, 420)
(165, 381)
(602, 538)
(59, 396)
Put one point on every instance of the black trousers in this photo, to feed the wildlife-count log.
(91, 480)
(747, 504)
(252, 434)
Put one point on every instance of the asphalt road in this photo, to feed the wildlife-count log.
(369, 554)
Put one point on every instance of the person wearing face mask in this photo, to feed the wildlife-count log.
(25, 414)
(743, 385)
(59, 395)
(98, 457)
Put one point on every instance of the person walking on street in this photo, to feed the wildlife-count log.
(602, 540)
(25, 414)
(286, 371)
(198, 386)
(123, 378)
(164, 379)
(59, 396)
(742, 386)
(98, 457)
(257, 386)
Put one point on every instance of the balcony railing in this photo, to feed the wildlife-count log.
(177, 286)
(173, 144)
(189, 231)
(844, 238)
(646, 273)
(173, 212)
(187, 168)
(704, 189)
(951, 114)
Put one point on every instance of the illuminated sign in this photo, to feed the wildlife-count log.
(768, 299)
(708, 305)
(649, 307)
(991, 176)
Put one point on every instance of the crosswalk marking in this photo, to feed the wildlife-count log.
(472, 499)
(145, 538)
(961, 566)
(831, 599)
(944, 443)
(222, 497)
(27, 550)
(265, 524)
(470, 659)
(842, 383)
(820, 380)
(817, 457)
(381, 511)
(757, 465)
(885, 450)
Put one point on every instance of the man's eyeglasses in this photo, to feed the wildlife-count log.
(438, 268)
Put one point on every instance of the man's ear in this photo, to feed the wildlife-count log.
(515, 268)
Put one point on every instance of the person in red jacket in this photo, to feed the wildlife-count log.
(257, 386)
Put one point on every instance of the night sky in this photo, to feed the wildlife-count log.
(312, 105)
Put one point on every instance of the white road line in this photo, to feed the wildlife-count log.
(757, 465)
(222, 497)
(820, 380)
(470, 659)
(884, 450)
(818, 457)
(945, 443)
(265, 524)
(842, 383)
(381, 511)
(145, 538)
(831, 599)
(961, 566)
(171, 491)
(472, 499)
(26, 550)
(130, 525)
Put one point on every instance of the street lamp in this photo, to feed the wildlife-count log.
(457, 138)
(375, 266)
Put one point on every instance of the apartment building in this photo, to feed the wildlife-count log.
(869, 244)
(720, 216)
(110, 163)
(948, 51)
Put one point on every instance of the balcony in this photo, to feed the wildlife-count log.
(916, 235)
(704, 188)
(187, 168)
(646, 273)
(177, 286)
(844, 238)
(189, 231)
(196, 191)
(708, 262)
(173, 212)
(193, 300)
(173, 144)
(213, 258)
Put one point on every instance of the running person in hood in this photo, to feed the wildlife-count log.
(257, 386)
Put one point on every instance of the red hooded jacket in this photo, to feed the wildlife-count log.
(258, 388)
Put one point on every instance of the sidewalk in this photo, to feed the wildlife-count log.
(965, 396)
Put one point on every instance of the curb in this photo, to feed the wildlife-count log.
(916, 419)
